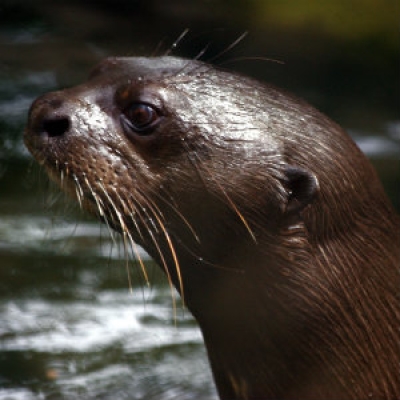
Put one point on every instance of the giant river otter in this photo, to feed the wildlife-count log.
(264, 214)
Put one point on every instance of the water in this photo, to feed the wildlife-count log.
(70, 326)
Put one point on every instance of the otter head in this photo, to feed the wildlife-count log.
(174, 154)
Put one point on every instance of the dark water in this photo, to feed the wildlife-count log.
(70, 327)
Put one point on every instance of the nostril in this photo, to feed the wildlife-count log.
(56, 126)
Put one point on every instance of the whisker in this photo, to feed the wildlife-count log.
(132, 215)
(202, 52)
(66, 169)
(177, 41)
(102, 212)
(124, 230)
(208, 263)
(128, 273)
(157, 48)
(255, 58)
(229, 48)
(132, 209)
(155, 211)
(180, 215)
(239, 214)
(96, 198)
(62, 179)
(135, 249)
(78, 190)
(226, 196)
(173, 254)
(158, 216)
(165, 266)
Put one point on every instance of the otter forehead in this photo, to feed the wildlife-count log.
(140, 67)
(200, 96)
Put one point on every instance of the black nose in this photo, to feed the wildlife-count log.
(49, 116)
(53, 126)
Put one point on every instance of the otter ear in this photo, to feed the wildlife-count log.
(302, 186)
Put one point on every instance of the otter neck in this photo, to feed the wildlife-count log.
(247, 317)
(263, 331)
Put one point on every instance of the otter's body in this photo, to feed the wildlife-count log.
(263, 213)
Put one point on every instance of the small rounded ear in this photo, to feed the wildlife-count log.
(302, 186)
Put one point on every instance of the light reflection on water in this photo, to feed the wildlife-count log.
(91, 338)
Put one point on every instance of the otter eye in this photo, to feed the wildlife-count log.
(140, 118)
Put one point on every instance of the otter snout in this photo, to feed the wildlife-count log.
(49, 117)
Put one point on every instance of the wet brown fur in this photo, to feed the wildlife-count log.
(263, 213)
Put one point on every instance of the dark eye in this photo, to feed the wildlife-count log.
(140, 118)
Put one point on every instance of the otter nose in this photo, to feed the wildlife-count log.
(50, 116)
(53, 126)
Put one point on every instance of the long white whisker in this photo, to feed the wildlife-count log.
(180, 215)
(172, 250)
(78, 190)
(177, 41)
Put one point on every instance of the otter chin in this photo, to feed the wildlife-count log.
(262, 212)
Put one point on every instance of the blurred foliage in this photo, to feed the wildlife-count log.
(352, 19)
